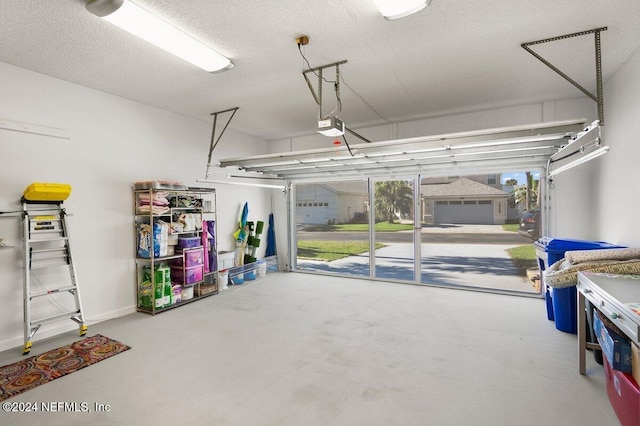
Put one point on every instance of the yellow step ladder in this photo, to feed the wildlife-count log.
(47, 246)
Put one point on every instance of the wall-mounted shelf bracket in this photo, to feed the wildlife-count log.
(598, 98)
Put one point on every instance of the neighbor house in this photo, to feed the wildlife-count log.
(462, 201)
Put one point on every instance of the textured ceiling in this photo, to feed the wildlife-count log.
(453, 56)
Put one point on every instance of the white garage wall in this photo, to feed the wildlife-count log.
(616, 200)
(114, 142)
(562, 109)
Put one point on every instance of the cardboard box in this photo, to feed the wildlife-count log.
(203, 289)
(617, 349)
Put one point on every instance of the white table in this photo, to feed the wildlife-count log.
(609, 294)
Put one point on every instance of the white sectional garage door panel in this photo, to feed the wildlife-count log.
(464, 213)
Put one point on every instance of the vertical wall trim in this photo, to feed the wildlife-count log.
(548, 111)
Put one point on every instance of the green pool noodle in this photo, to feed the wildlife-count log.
(259, 227)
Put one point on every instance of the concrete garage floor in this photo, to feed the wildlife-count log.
(452, 255)
(302, 349)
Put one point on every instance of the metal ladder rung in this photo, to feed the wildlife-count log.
(46, 292)
(45, 230)
(47, 240)
(48, 250)
(44, 225)
(47, 265)
(69, 315)
(39, 259)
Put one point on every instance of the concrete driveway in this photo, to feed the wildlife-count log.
(472, 256)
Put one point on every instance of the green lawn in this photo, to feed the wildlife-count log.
(332, 250)
(524, 257)
(511, 227)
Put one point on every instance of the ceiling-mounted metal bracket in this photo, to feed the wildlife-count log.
(317, 96)
(598, 97)
(215, 141)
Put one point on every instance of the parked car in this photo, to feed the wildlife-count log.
(530, 224)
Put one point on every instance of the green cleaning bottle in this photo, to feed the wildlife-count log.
(163, 285)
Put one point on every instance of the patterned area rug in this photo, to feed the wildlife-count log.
(29, 373)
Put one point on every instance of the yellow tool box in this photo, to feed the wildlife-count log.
(47, 192)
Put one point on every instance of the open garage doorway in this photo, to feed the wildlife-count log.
(332, 227)
(452, 231)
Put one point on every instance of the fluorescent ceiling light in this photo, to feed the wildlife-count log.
(396, 9)
(139, 22)
(331, 127)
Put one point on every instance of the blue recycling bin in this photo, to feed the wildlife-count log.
(561, 302)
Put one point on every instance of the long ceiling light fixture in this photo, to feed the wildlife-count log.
(141, 23)
(396, 9)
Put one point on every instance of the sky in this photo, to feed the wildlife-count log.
(520, 176)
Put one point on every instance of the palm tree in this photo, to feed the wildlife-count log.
(528, 193)
(393, 196)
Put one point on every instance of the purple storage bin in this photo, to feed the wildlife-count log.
(190, 257)
(189, 242)
(186, 276)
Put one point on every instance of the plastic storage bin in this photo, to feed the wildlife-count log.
(186, 293)
(561, 302)
(190, 257)
(226, 259)
(223, 279)
(624, 395)
(236, 275)
(189, 242)
(186, 276)
(47, 192)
